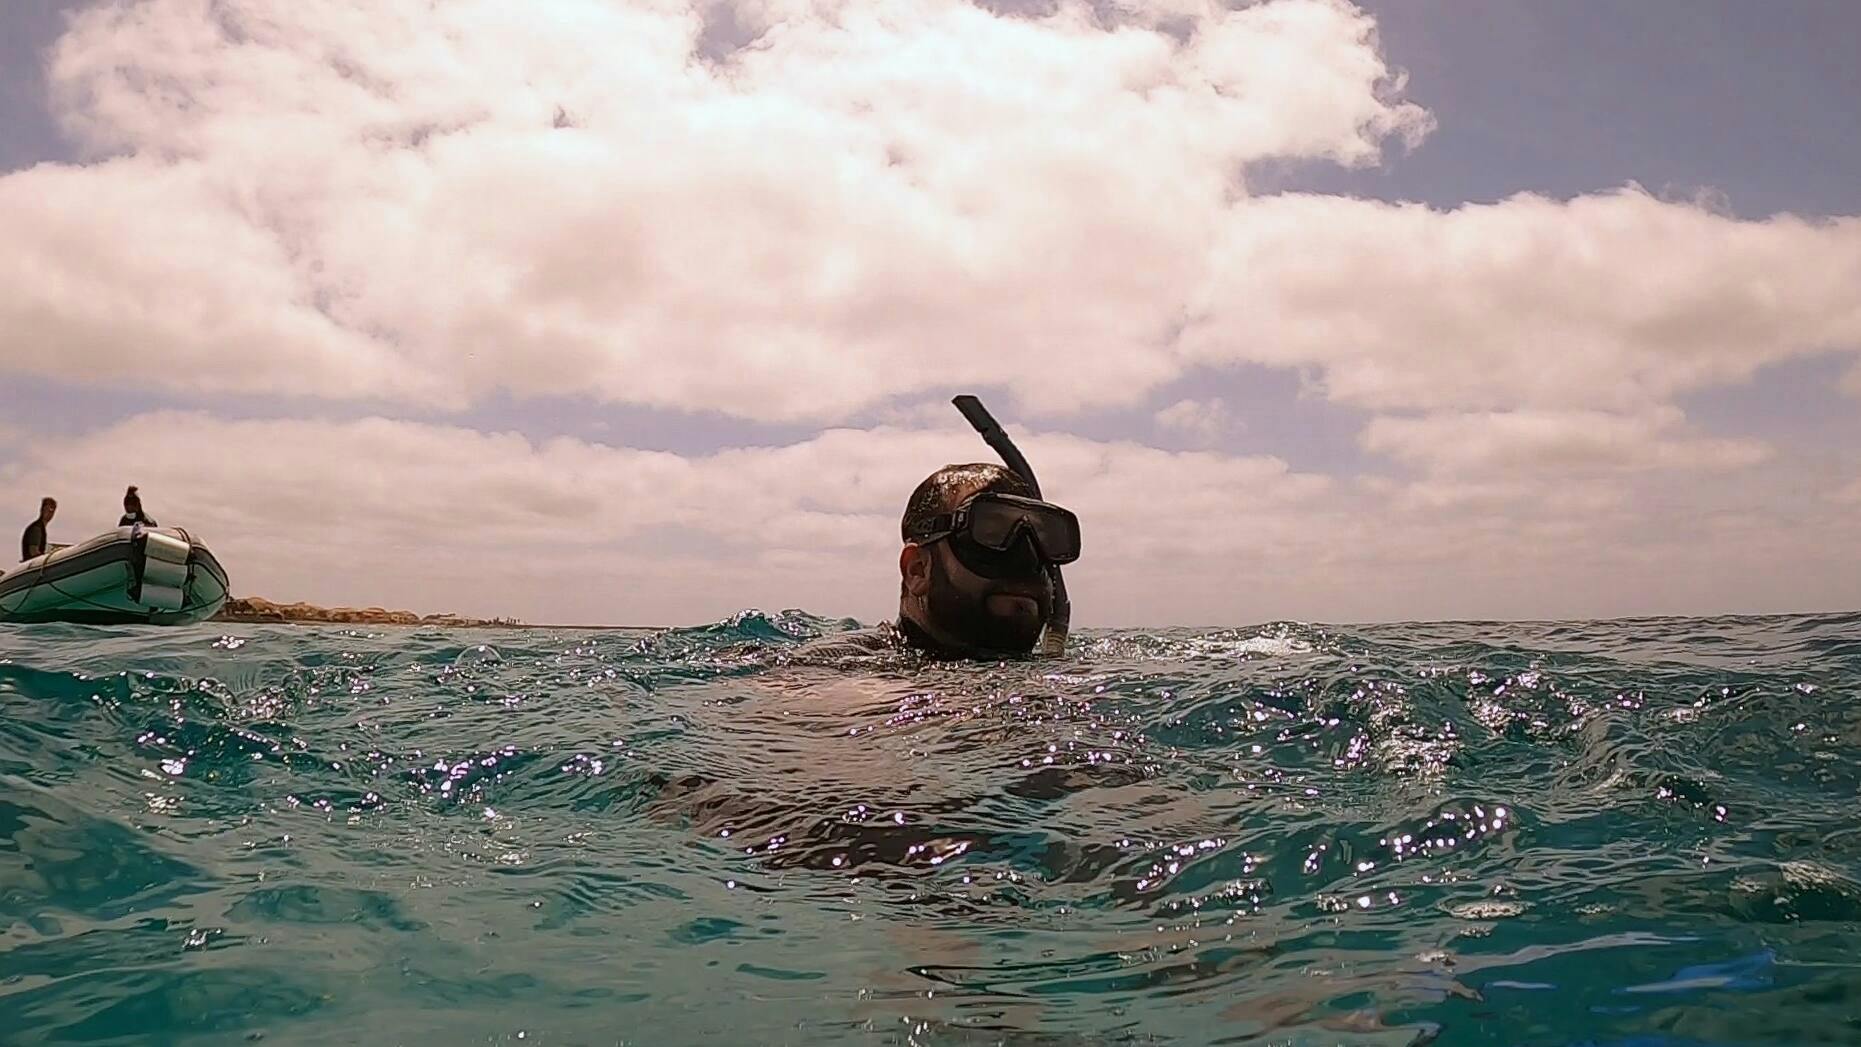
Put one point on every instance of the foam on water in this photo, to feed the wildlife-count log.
(1629, 832)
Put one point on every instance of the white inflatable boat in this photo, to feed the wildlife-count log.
(160, 576)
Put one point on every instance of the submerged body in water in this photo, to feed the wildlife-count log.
(754, 833)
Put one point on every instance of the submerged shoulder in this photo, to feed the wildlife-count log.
(882, 639)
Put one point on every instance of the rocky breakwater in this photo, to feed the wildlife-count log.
(258, 609)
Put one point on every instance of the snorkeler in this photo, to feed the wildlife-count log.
(979, 573)
(991, 582)
(975, 570)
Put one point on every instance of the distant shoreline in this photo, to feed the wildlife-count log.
(257, 610)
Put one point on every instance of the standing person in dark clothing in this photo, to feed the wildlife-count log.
(32, 543)
(132, 510)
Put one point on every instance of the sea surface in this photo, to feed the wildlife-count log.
(1639, 832)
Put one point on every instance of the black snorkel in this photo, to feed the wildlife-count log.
(1053, 639)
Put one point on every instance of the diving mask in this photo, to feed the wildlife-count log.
(986, 534)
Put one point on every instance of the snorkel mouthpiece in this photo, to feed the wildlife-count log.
(1053, 640)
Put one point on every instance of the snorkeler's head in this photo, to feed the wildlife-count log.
(948, 487)
(970, 595)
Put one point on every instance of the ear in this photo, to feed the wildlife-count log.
(914, 568)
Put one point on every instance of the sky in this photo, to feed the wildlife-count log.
(583, 311)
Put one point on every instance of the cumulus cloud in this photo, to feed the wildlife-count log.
(1554, 441)
(1509, 501)
(1851, 382)
(397, 512)
(817, 209)
(426, 202)
(435, 517)
(848, 205)
(1617, 301)
(1204, 420)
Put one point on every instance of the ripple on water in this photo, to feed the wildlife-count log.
(1574, 832)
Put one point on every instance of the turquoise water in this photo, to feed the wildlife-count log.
(1636, 832)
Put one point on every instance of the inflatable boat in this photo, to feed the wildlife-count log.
(161, 576)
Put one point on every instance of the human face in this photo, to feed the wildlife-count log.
(989, 614)
(46, 512)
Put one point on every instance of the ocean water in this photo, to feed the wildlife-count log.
(1640, 832)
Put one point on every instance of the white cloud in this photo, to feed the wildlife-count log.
(1849, 495)
(870, 205)
(1205, 420)
(1554, 441)
(1507, 500)
(1613, 302)
(418, 203)
(1851, 382)
(134, 270)
(440, 518)
(426, 202)
(433, 517)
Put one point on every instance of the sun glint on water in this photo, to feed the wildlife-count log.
(1628, 832)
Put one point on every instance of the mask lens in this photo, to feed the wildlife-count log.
(992, 524)
(1019, 560)
(1058, 534)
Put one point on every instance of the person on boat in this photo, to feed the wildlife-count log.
(974, 578)
(33, 542)
(132, 510)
